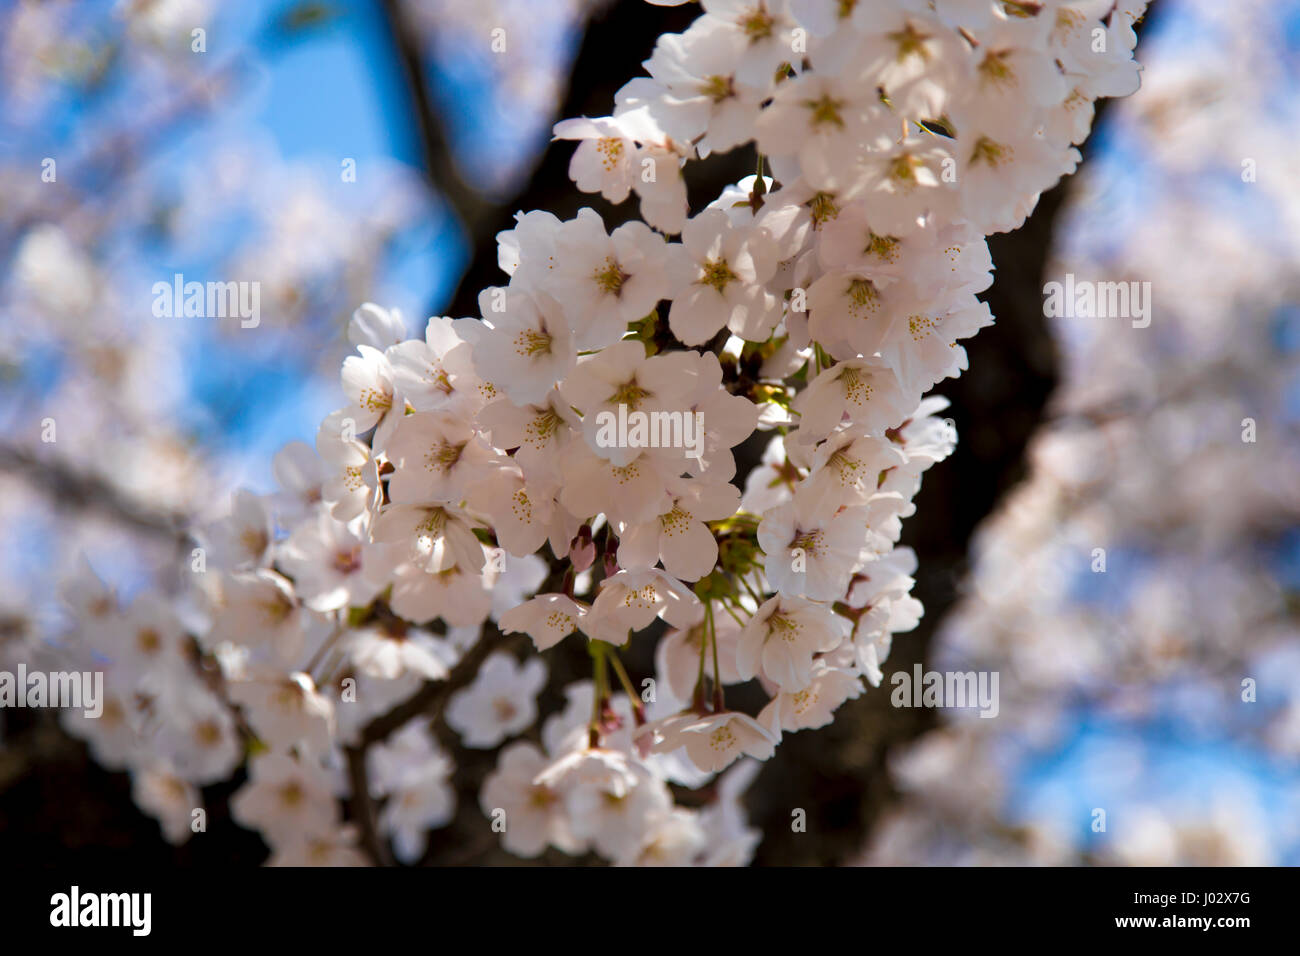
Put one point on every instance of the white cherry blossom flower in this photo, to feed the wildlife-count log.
(547, 619)
(500, 702)
(369, 383)
(782, 638)
(731, 265)
(535, 816)
(525, 345)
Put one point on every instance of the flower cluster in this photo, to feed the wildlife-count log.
(565, 466)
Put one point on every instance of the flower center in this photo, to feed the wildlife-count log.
(532, 342)
(757, 23)
(808, 542)
(990, 152)
(722, 739)
(376, 400)
(675, 521)
(826, 111)
(254, 540)
(863, 296)
(611, 152)
(610, 279)
(920, 326)
(718, 87)
(823, 208)
(785, 628)
(347, 560)
(902, 168)
(848, 468)
(208, 734)
(539, 431)
(630, 394)
(857, 388)
(910, 41)
(996, 69)
(148, 641)
(276, 608)
(882, 247)
(445, 456)
(717, 274)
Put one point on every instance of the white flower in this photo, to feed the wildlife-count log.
(814, 704)
(700, 94)
(613, 816)
(1004, 162)
(635, 491)
(287, 712)
(538, 432)
(501, 702)
(675, 838)
(197, 734)
(114, 737)
(630, 600)
(368, 382)
(284, 797)
(812, 549)
(168, 798)
(414, 774)
(243, 539)
(390, 651)
(438, 458)
(622, 376)
(826, 121)
(534, 813)
(763, 26)
(334, 846)
(732, 263)
(331, 566)
(783, 636)
(522, 512)
(525, 344)
(679, 536)
(848, 467)
(923, 350)
(437, 373)
(712, 741)
(459, 596)
(604, 160)
(376, 327)
(547, 619)
(258, 610)
(852, 315)
(865, 392)
(147, 637)
(437, 536)
(350, 486)
(608, 281)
